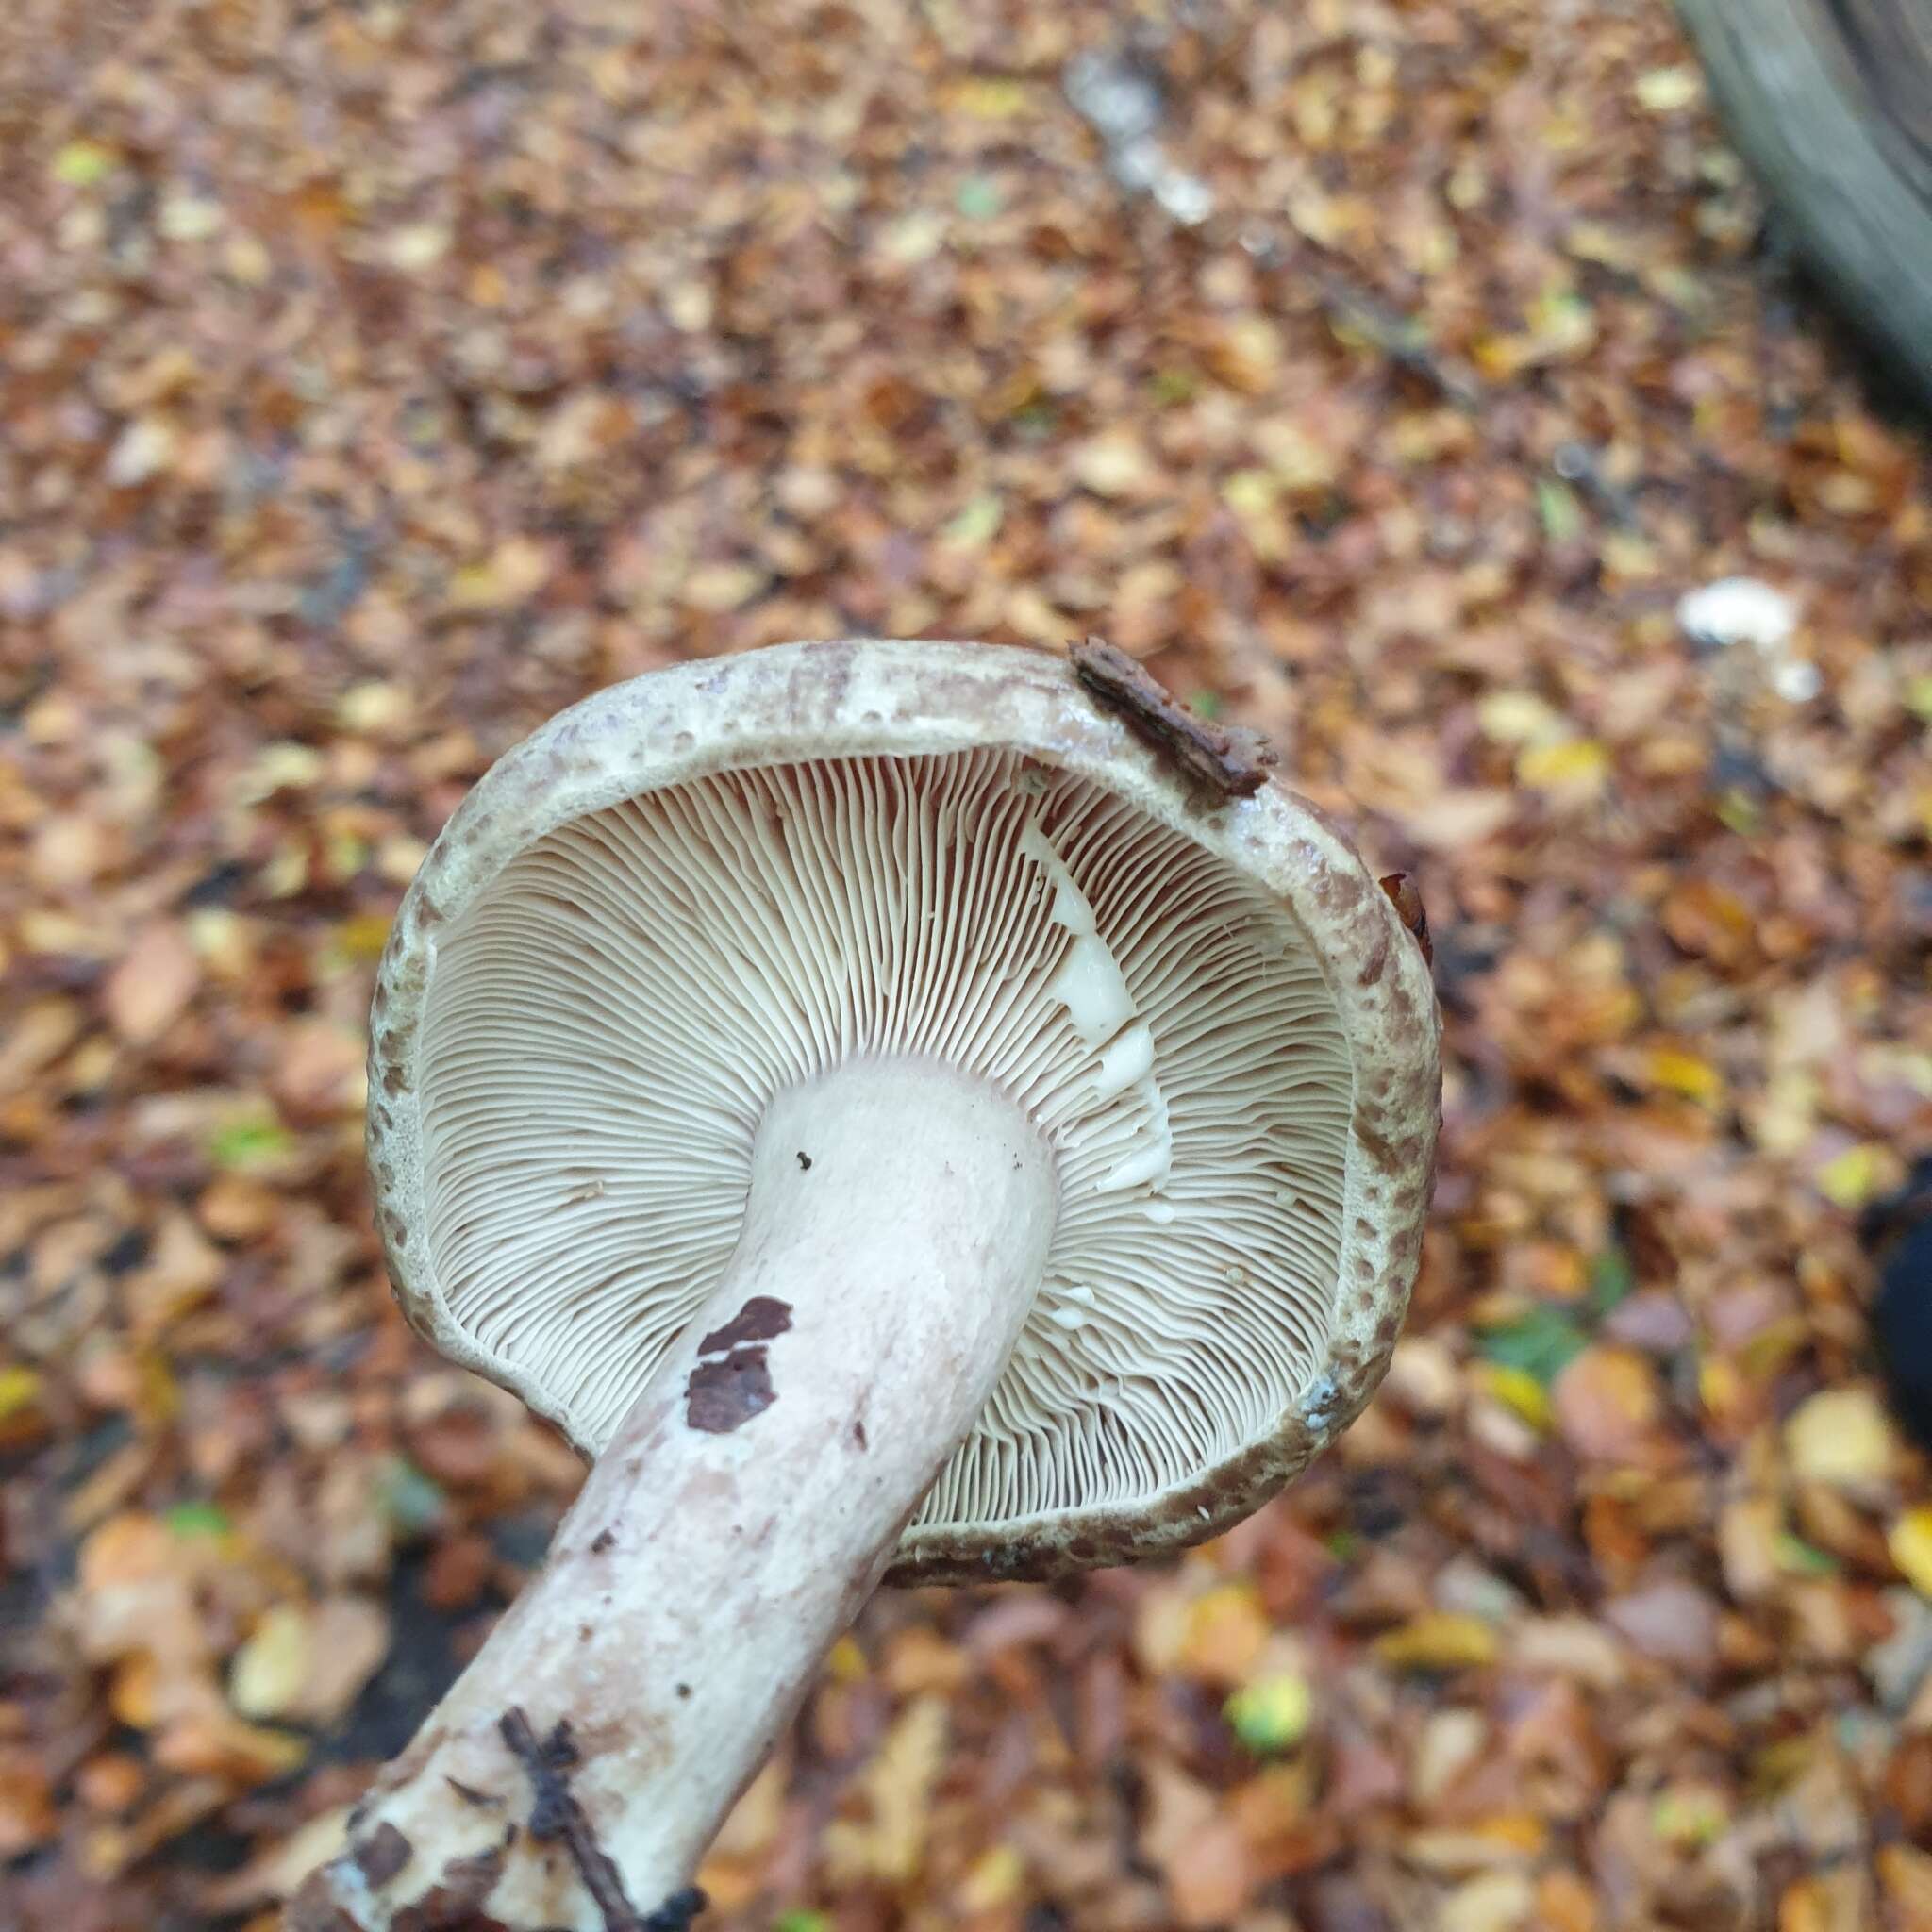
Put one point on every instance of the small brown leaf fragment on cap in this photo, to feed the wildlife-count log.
(1227, 760)
(1408, 902)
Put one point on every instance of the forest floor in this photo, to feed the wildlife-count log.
(375, 379)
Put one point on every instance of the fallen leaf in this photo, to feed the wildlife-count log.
(142, 450)
(1608, 1407)
(1439, 1640)
(995, 1880)
(1910, 1540)
(151, 987)
(1495, 1902)
(28, 1817)
(1227, 1628)
(269, 1670)
(897, 1789)
(278, 1873)
(1672, 1621)
(1841, 1436)
(1272, 1713)
(1116, 464)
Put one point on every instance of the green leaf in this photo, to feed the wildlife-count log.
(978, 198)
(1556, 504)
(413, 1500)
(1542, 1343)
(1612, 1279)
(249, 1144)
(977, 522)
(1802, 1558)
(1740, 813)
(198, 1519)
(801, 1922)
(1205, 703)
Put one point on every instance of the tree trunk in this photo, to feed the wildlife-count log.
(1830, 102)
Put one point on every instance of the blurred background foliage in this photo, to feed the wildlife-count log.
(1409, 380)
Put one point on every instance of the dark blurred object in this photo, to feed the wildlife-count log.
(1830, 102)
(1898, 1231)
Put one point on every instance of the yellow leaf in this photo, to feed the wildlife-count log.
(1438, 1641)
(1160, 1630)
(374, 707)
(1909, 1541)
(1298, 461)
(81, 163)
(131, 1547)
(846, 1661)
(1577, 765)
(217, 1745)
(718, 588)
(1666, 90)
(421, 245)
(1250, 492)
(1272, 1713)
(363, 936)
(20, 1390)
(1841, 1436)
(1518, 717)
(514, 571)
(993, 1881)
(1856, 1174)
(1225, 1631)
(1689, 1816)
(1115, 464)
(133, 1693)
(189, 218)
(270, 1669)
(989, 99)
(898, 1785)
(1518, 1391)
(1677, 1071)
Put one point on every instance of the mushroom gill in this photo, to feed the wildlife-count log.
(608, 1021)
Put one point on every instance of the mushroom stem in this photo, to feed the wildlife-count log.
(895, 1235)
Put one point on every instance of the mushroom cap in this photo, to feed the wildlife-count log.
(693, 890)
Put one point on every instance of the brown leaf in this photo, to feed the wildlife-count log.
(152, 986)
(1608, 1406)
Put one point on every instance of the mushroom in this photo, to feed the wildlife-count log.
(898, 1120)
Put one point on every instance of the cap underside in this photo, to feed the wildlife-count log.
(606, 1022)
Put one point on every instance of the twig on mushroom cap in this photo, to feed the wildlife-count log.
(1225, 758)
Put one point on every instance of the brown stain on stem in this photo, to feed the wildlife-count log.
(762, 1319)
(732, 1381)
(723, 1396)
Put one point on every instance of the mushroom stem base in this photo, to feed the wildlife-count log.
(894, 1236)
